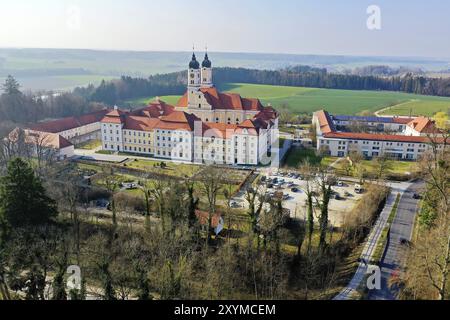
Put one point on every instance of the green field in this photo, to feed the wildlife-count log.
(307, 100)
(427, 107)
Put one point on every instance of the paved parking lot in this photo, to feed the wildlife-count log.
(296, 201)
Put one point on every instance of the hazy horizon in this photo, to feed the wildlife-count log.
(189, 52)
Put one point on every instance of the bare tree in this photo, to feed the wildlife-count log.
(325, 180)
(111, 183)
(211, 183)
(256, 199)
(382, 165)
(308, 173)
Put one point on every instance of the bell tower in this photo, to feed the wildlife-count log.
(207, 81)
(194, 74)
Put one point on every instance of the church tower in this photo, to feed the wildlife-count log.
(207, 81)
(194, 75)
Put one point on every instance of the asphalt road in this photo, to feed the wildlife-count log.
(348, 292)
(394, 258)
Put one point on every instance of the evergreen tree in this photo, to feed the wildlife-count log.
(11, 86)
(23, 199)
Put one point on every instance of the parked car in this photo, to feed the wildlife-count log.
(359, 189)
(340, 184)
(337, 196)
(348, 194)
(129, 186)
(286, 197)
(234, 204)
(417, 196)
(295, 190)
(270, 186)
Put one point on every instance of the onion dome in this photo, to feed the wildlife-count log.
(206, 63)
(194, 63)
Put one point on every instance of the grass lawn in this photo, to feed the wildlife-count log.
(393, 167)
(426, 107)
(296, 156)
(171, 169)
(90, 145)
(308, 100)
(301, 100)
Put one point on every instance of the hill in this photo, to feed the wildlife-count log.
(307, 100)
(54, 69)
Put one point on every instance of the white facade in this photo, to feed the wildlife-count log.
(406, 144)
(112, 137)
(210, 127)
(174, 144)
(372, 148)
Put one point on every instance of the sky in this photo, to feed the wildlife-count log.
(403, 28)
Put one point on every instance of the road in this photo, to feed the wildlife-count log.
(394, 258)
(369, 249)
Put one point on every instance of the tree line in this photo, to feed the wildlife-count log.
(19, 108)
(117, 91)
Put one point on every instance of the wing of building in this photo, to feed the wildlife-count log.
(398, 138)
(206, 126)
(75, 129)
(57, 137)
(41, 144)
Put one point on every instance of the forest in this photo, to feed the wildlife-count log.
(112, 92)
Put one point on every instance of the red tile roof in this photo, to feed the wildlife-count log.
(69, 123)
(44, 139)
(227, 101)
(177, 120)
(423, 125)
(326, 125)
(203, 217)
(140, 123)
(155, 109)
(218, 130)
(116, 116)
(399, 120)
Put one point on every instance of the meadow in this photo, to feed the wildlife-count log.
(300, 100)
(352, 102)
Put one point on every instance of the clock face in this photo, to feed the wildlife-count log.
(192, 75)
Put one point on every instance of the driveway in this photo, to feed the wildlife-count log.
(369, 249)
(394, 259)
